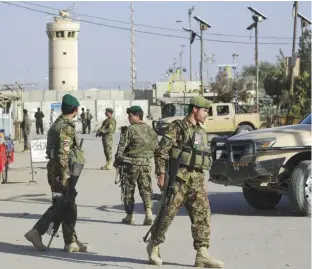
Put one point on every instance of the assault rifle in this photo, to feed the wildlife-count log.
(60, 203)
(167, 194)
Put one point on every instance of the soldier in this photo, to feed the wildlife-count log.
(26, 126)
(185, 141)
(61, 141)
(39, 121)
(83, 119)
(135, 149)
(107, 131)
(88, 120)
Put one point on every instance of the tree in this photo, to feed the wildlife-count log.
(224, 88)
(265, 69)
(277, 81)
(304, 52)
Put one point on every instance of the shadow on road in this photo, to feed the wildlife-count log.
(221, 203)
(37, 216)
(86, 258)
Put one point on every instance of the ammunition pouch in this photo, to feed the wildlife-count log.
(76, 162)
(193, 158)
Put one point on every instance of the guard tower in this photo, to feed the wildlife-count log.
(63, 53)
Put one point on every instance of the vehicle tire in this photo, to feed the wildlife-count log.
(261, 199)
(244, 129)
(300, 189)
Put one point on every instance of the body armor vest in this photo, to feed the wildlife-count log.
(53, 136)
(143, 142)
(195, 151)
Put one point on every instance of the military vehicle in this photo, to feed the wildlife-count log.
(267, 164)
(223, 119)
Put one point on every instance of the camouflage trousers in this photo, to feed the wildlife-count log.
(142, 176)
(68, 222)
(193, 196)
(70, 216)
(107, 142)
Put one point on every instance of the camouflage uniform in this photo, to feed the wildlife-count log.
(107, 131)
(61, 139)
(135, 148)
(188, 190)
(83, 119)
(26, 126)
(88, 120)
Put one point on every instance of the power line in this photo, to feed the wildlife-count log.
(146, 32)
(155, 27)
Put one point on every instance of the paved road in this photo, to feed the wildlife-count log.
(241, 237)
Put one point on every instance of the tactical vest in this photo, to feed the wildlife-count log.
(76, 155)
(144, 141)
(195, 151)
(53, 136)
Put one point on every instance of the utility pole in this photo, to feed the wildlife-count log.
(257, 17)
(133, 75)
(294, 56)
(257, 63)
(235, 55)
(201, 59)
(190, 27)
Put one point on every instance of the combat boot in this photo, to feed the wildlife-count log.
(129, 219)
(75, 247)
(109, 165)
(34, 237)
(153, 254)
(204, 260)
(148, 217)
(104, 167)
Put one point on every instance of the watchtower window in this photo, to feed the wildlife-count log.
(71, 34)
(60, 34)
(63, 81)
(64, 53)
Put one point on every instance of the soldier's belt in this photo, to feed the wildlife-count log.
(130, 160)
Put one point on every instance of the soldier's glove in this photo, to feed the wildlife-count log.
(98, 134)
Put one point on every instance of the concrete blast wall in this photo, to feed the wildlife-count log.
(97, 109)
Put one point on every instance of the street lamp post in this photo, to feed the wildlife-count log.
(203, 26)
(190, 10)
(257, 17)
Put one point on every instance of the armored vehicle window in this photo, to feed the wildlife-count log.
(210, 111)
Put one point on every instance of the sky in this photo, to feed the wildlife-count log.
(104, 53)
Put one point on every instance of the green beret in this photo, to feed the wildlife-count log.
(134, 109)
(109, 110)
(200, 101)
(70, 100)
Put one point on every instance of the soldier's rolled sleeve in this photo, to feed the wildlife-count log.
(123, 143)
(162, 151)
(66, 140)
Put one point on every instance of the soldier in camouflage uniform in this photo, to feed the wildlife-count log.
(61, 140)
(88, 121)
(26, 126)
(107, 131)
(135, 149)
(183, 140)
(83, 119)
